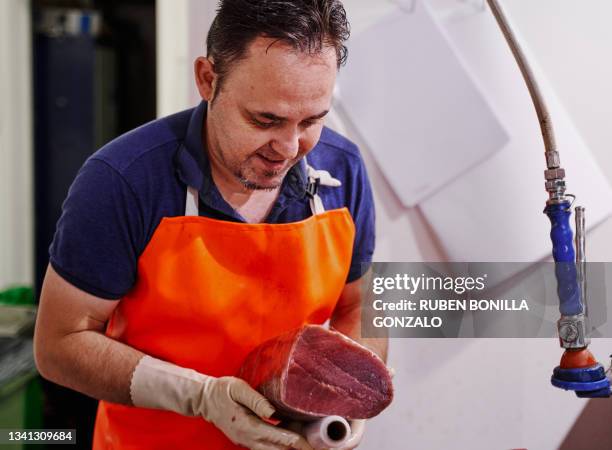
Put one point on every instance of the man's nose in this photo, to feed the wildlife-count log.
(287, 142)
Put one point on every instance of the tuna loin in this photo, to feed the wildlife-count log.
(314, 372)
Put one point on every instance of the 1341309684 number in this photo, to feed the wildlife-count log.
(65, 436)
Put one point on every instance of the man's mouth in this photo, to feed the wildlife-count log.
(271, 164)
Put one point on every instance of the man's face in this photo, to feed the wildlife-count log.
(269, 112)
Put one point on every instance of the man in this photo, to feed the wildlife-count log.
(187, 242)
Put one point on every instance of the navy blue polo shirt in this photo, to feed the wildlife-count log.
(122, 192)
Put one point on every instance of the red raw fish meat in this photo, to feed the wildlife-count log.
(314, 372)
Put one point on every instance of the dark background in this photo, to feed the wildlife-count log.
(88, 88)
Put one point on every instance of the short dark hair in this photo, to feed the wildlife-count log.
(306, 25)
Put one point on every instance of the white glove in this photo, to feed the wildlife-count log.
(227, 402)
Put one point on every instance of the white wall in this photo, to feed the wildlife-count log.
(487, 393)
(181, 37)
(173, 81)
(16, 233)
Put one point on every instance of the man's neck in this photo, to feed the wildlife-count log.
(253, 205)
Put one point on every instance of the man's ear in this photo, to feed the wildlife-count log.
(205, 77)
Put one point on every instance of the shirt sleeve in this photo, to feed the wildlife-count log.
(98, 236)
(363, 212)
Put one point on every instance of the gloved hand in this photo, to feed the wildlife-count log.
(227, 402)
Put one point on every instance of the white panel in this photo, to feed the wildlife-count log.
(174, 69)
(413, 102)
(477, 394)
(16, 201)
(493, 212)
(182, 26)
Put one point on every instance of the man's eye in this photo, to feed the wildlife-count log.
(309, 123)
(262, 124)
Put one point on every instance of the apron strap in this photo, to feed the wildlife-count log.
(316, 178)
(192, 203)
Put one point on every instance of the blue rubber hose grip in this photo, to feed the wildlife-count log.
(568, 289)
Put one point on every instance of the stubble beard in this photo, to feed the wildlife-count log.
(251, 185)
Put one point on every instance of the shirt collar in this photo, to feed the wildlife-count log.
(193, 166)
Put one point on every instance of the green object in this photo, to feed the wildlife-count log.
(21, 396)
(17, 311)
(21, 406)
(18, 295)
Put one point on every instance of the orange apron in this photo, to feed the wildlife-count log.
(207, 293)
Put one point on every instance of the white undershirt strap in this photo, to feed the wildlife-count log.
(316, 205)
(192, 203)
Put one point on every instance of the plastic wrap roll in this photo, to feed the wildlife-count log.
(328, 432)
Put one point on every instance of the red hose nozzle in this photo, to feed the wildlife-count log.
(577, 359)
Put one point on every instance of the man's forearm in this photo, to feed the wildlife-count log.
(349, 314)
(91, 363)
(348, 322)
